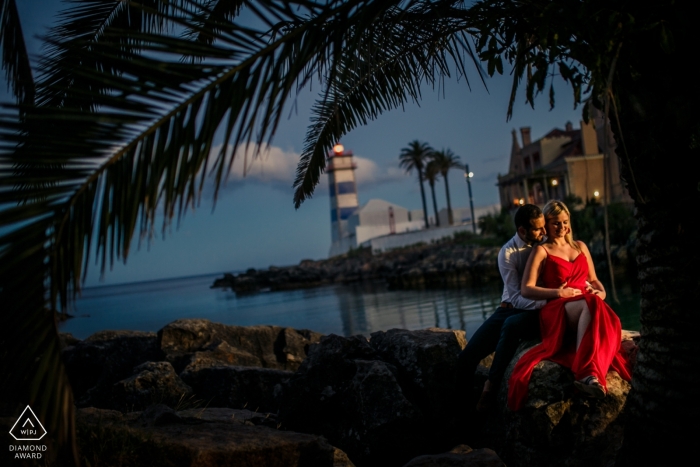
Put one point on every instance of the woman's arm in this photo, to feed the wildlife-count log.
(530, 289)
(596, 286)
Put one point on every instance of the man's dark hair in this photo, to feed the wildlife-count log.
(525, 213)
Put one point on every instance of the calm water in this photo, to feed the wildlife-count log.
(343, 310)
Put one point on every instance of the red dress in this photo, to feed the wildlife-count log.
(600, 348)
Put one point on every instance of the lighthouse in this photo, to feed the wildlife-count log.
(343, 193)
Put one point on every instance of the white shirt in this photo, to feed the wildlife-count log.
(511, 263)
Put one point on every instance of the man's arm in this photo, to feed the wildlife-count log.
(512, 279)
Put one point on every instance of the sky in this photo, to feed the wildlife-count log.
(254, 222)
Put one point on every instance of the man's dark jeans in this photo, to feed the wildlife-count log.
(502, 332)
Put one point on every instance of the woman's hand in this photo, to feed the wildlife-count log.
(599, 290)
(567, 292)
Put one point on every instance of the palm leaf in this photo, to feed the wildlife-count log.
(382, 67)
(86, 23)
(15, 60)
(122, 135)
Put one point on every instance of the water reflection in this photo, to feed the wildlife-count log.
(344, 310)
(366, 308)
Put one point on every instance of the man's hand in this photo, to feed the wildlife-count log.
(567, 292)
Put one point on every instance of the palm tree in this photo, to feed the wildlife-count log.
(446, 160)
(432, 172)
(125, 113)
(415, 157)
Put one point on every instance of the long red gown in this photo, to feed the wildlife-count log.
(600, 348)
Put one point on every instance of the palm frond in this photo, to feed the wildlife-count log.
(382, 67)
(15, 60)
(85, 23)
(215, 14)
(124, 130)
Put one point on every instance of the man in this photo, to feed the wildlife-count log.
(515, 319)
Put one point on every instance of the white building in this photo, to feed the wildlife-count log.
(379, 217)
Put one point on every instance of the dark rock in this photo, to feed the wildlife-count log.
(440, 264)
(151, 383)
(225, 282)
(105, 358)
(158, 415)
(219, 354)
(67, 340)
(342, 392)
(460, 456)
(263, 346)
(559, 426)
(201, 438)
(235, 386)
(426, 366)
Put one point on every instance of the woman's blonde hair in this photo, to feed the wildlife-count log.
(552, 209)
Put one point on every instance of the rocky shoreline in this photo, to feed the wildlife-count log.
(440, 264)
(447, 263)
(198, 393)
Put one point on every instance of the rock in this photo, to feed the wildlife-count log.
(67, 340)
(236, 387)
(106, 357)
(559, 426)
(157, 415)
(382, 402)
(439, 264)
(345, 393)
(151, 383)
(460, 456)
(263, 346)
(426, 366)
(240, 416)
(218, 354)
(202, 438)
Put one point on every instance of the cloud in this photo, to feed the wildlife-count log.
(368, 173)
(276, 167)
(266, 164)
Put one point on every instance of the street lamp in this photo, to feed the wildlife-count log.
(468, 175)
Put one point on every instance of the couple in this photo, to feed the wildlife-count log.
(550, 288)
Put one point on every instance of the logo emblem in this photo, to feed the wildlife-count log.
(28, 427)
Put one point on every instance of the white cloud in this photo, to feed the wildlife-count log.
(274, 166)
(369, 173)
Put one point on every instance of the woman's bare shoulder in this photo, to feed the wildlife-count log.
(540, 251)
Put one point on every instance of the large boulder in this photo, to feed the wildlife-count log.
(236, 386)
(263, 346)
(559, 426)
(151, 383)
(382, 401)
(426, 363)
(102, 371)
(95, 364)
(197, 438)
(460, 456)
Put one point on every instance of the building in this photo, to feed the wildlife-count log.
(343, 193)
(379, 217)
(378, 224)
(561, 163)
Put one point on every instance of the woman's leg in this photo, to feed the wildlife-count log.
(578, 318)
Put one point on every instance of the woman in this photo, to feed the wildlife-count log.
(579, 330)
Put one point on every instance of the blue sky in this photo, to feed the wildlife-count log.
(254, 223)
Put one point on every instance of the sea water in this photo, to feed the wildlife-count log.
(339, 309)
